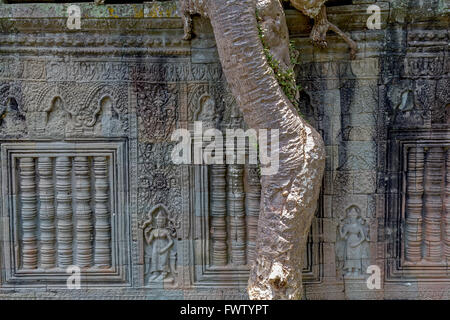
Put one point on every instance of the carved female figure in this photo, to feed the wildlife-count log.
(353, 234)
(208, 108)
(110, 122)
(160, 238)
(205, 111)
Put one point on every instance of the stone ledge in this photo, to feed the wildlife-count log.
(348, 17)
(90, 10)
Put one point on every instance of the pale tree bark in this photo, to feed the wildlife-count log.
(288, 198)
(316, 9)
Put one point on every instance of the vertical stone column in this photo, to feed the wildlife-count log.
(83, 212)
(236, 212)
(433, 204)
(414, 204)
(64, 225)
(447, 208)
(47, 213)
(28, 213)
(102, 253)
(253, 203)
(218, 223)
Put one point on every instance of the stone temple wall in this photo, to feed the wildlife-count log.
(87, 177)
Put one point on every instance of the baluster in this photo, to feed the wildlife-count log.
(102, 256)
(28, 213)
(447, 208)
(47, 213)
(64, 225)
(414, 204)
(433, 204)
(218, 215)
(253, 198)
(83, 212)
(236, 212)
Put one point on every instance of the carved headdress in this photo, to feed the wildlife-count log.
(157, 212)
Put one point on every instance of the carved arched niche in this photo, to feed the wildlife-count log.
(52, 114)
(103, 113)
(12, 114)
(107, 120)
(63, 111)
(206, 110)
(56, 118)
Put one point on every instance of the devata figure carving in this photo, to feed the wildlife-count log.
(159, 232)
(352, 229)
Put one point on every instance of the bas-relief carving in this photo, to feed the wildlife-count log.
(202, 105)
(85, 70)
(213, 104)
(227, 111)
(68, 109)
(158, 183)
(106, 110)
(425, 66)
(160, 234)
(12, 111)
(411, 102)
(361, 69)
(207, 109)
(176, 71)
(440, 112)
(416, 96)
(158, 179)
(158, 110)
(11, 68)
(418, 92)
(357, 155)
(352, 247)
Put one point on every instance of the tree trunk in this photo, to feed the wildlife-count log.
(288, 198)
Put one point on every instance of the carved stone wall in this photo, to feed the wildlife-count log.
(86, 119)
(66, 206)
(384, 119)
